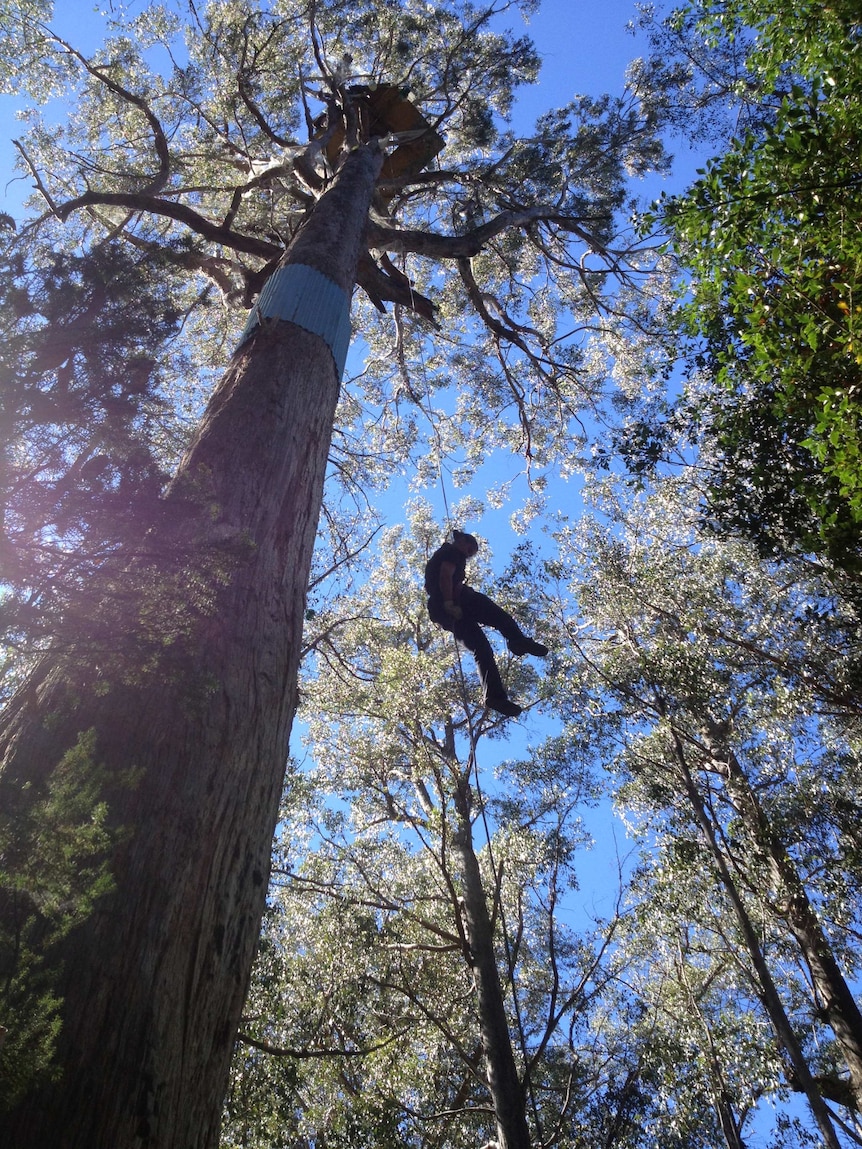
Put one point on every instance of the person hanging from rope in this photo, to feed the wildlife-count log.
(458, 608)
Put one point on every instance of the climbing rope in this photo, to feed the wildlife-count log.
(473, 766)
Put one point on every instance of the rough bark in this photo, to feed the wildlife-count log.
(153, 983)
(507, 1093)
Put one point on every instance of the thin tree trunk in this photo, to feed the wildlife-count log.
(153, 983)
(506, 1091)
(836, 999)
(729, 1125)
(722, 1099)
(769, 994)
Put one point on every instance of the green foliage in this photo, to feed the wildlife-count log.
(53, 867)
(89, 430)
(646, 1021)
(771, 235)
(25, 55)
(208, 120)
(84, 426)
(361, 1026)
(363, 983)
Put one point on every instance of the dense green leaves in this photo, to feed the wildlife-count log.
(772, 237)
(88, 432)
(54, 847)
(735, 756)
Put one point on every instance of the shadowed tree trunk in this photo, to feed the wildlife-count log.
(768, 991)
(153, 983)
(506, 1091)
(835, 997)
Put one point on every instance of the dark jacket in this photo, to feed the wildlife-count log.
(448, 553)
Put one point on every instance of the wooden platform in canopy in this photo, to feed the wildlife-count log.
(386, 110)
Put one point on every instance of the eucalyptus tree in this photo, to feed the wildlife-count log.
(742, 761)
(706, 1043)
(275, 145)
(420, 981)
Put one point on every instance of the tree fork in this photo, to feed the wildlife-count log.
(153, 983)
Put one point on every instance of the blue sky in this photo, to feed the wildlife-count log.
(585, 47)
(584, 44)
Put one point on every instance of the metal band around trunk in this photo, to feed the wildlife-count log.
(304, 296)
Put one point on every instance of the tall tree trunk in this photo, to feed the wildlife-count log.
(769, 994)
(153, 983)
(507, 1093)
(721, 1096)
(835, 997)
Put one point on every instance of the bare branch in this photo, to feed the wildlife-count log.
(391, 285)
(471, 242)
(35, 174)
(180, 212)
(307, 1054)
(158, 181)
(478, 301)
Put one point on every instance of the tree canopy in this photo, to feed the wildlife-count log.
(769, 238)
(440, 964)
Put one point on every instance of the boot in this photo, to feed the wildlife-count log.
(503, 705)
(524, 645)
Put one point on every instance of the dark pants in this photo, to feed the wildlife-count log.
(479, 611)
